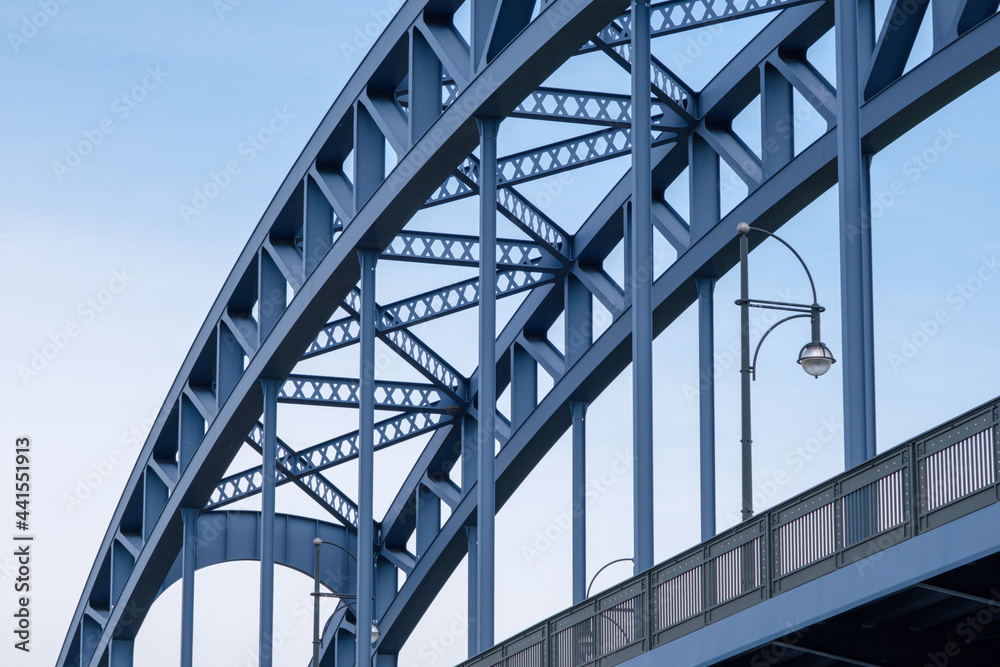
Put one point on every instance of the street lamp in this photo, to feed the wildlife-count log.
(317, 641)
(814, 357)
(603, 568)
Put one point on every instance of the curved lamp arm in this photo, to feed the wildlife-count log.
(797, 256)
(606, 566)
(318, 541)
(753, 364)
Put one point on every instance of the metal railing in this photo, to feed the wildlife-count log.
(937, 477)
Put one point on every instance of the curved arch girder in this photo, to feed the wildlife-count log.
(229, 536)
(178, 470)
(902, 105)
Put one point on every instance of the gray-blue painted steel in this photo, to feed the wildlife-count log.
(276, 344)
(641, 283)
(472, 597)
(706, 403)
(366, 457)
(189, 552)
(486, 524)
(901, 566)
(579, 503)
(269, 455)
(746, 444)
(855, 247)
(230, 536)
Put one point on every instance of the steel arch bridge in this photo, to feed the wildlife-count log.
(432, 92)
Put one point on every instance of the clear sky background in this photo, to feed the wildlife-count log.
(108, 279)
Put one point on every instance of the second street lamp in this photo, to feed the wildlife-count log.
(814, 357)
(317, 594)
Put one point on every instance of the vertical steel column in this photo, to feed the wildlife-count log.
(428, 518)
(579, 412)
(189, 519)
(366, 458)
(122, 653)
(703, 189)
(473, 597)
(523, 385)
(866, 46)
(578, 323)
(777, 109)
(487, 376)
(706, 405)
(268, 472)
(641, 279)
(470, 471)
(579, 334)
(855, 244)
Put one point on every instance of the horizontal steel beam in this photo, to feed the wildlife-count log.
(423, 308)
(313, 460)
(343, 392)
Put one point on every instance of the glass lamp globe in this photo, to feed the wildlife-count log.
(816, 359)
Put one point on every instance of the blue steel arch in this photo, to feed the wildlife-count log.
(227, 537)
(328, 209)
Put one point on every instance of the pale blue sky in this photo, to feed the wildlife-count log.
(111, 230)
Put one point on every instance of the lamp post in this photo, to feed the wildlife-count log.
(603, 568)
(814, 357)
(317, 641)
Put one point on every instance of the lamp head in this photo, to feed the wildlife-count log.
(376, 633)
(816, 358)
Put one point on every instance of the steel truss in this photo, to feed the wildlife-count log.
(243, 361)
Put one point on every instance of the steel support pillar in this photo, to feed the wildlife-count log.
(579, 412)
(706, 402)
(428, 518)
(267, 470)
(122, 653)
(189, 518)
(703, 191)
(473, 598)
(523, 385)
(855, 246)
(366, 458)
(578, 321)
(487, 378)
(641, 283)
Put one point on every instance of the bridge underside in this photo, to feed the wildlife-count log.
(932, 600)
